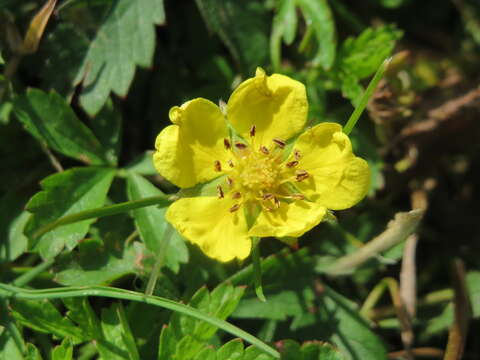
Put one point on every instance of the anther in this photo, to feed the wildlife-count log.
(229, 181)
(301, 175)
(277, 202)
(264, 150)
(252, 131)
(267, 196)
(236, 195)
(296, 154)
(230, 162)
(240, 146)
(292, 164)
(235, 208)
(220, 192)
(217, 166)
(280, 143)
(227, 144)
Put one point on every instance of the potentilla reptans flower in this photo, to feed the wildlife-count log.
(265, 187)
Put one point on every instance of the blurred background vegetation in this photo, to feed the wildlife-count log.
(98, 91)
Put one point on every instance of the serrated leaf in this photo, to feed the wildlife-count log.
(64, 351)
(232, 350)
(44, 317)
(319, 14)
(242, 26)
(97, 265)
(108, 128)
(32, 353)
(125, 39)
(361, 56)
(64, 49)
(329, 315)
(51, 120)
(185, 337)
(66, 193)
(151, 224)
(312, 350)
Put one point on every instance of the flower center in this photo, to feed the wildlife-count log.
(259, 174)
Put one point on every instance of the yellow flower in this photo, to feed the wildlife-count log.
(287, 189)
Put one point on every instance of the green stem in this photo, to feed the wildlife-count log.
(257, 269)
(9, 291)
(152, 281)
(33, 273)
(347, 129)
(105, 211)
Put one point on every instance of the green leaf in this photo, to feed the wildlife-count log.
(360, 57)
(118, 342)
(107, 125)
(8, 348)
(242, 26)
(96, 264)
(32, 353)
(232, 350)
(329, 315)
(151, 224)
(313, 350)
(143, 164)
(80, 312)
(127, 335)
(51, 120)
(64, 48)
(319, 15)
(44, 317)
(66, 193)
(125, 39)
(185, 336)
(12, 223)
(284, 26)
(64, 351)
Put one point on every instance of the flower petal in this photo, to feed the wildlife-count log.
(187, 150)
(337, 179)
(208, 222)
(292, 219)
(277, 106)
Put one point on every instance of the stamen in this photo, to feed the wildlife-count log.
(227, 144)
(267, 196)
(296, 154)
(277, 202)
(252, 131)
(301, 175)
(234, 208)
(229, 181)
(292, 164)
(230, 162)
(217, 166)
(220, 192)
(280, 143)
(236, 195)
(240, 146)
(264, 150)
